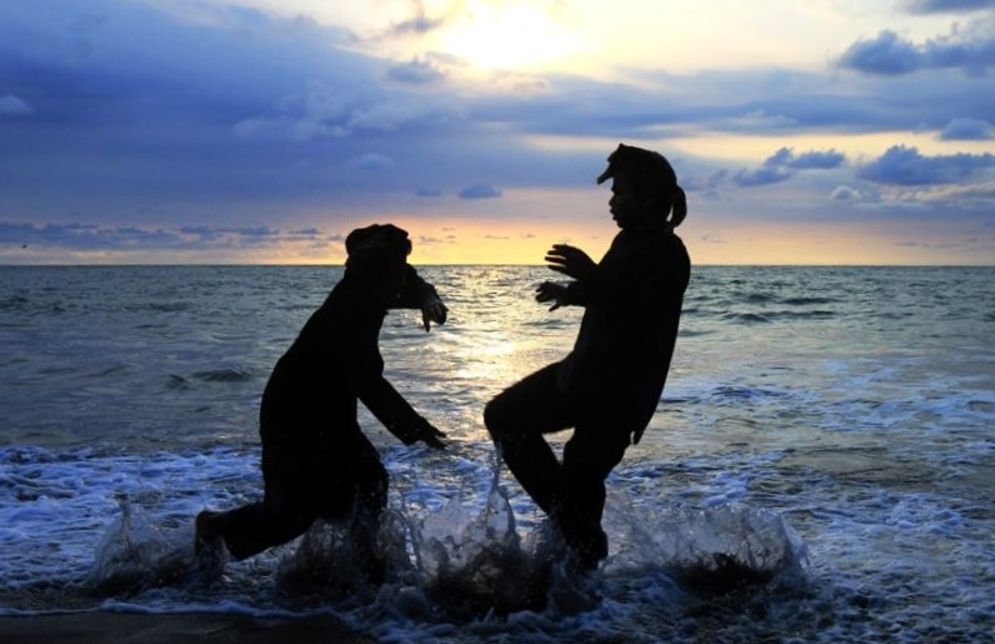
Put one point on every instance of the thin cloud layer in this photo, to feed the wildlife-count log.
(78, 236)
(480, 191)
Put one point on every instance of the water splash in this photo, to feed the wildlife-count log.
(716, 549)
(473, 562)
(135, 554)
(336, 562)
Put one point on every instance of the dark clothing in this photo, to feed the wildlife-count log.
(316, 462)
(633, 309)
(607, 388)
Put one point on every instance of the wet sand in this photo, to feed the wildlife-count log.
(119, 628)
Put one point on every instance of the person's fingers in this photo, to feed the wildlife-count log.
(434, 442)
(431, 437)
(426, 319)
(560, 269)
(555, 306)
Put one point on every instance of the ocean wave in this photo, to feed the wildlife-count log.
(805, 301)
(746, 318)
(13, 302)
(224, 375)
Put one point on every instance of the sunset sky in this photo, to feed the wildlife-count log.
(262, 131)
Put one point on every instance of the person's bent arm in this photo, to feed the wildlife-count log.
(391, 409)
(642, 284)
(419, 294)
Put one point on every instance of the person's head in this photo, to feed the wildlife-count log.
(378, 255)
(645, 193)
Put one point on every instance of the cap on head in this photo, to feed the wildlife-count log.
(377, 245)
(640, 164)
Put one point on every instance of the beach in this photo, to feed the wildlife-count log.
(122, 628)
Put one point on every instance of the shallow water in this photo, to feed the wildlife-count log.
(832, 427)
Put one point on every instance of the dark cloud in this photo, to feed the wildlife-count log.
(967, 130)
(764, 176)
(780, 166)
(415, 72)
(944, 6)
(480, 191)
(816, 160)
(886, 54)
(905, 166)
(811, 160)
(889, 54)
(419, 23)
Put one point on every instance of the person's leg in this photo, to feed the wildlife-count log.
(518, 417)
(588, 457)
(352, 488)
(287, 509)
(355, 484)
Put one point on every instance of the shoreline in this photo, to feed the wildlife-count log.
(171, 628)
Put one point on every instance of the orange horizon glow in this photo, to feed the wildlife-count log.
(454, 242)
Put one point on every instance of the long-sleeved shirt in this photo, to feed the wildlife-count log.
(633, 305)
(336, 361)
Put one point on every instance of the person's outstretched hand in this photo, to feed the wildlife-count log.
(433, 310)
(571, 261)
(552, 292)
(427, 433)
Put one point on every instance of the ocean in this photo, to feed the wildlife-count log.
(821, 466)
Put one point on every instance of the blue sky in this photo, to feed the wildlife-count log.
(830, 131)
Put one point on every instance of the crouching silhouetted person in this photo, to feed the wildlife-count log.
(608, 387)
(315, 460)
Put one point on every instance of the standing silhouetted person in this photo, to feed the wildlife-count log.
(608, 387)
(316, 462)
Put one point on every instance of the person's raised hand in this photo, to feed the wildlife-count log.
(552, 292)
(571, 261)
(433, 310)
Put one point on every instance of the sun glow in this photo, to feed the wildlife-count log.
(509, 36)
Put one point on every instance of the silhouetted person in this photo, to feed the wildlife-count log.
(316, 462)
(608, 387)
